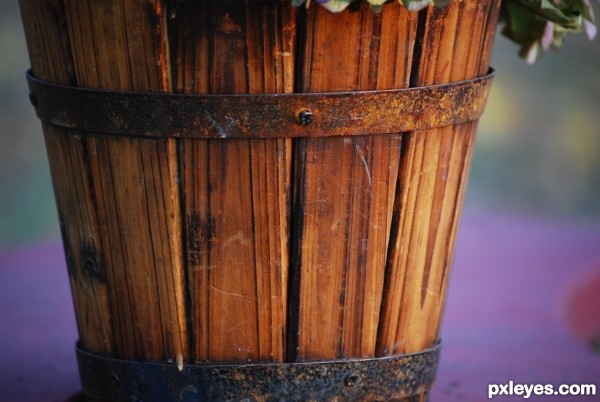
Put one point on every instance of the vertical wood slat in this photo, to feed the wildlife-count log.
(48, 40)
(80, 232)
(135, 179)
(434, 169)
(135, 228)
(236, 191)
(51, 59)
(344, 187)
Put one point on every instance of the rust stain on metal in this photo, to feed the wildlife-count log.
(331, 114)
(401, 377)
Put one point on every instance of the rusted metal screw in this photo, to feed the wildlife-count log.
(306, 117)
(351, 380)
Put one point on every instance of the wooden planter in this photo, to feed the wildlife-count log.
(192, 252)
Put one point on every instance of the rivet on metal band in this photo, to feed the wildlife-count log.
(377, 379)
(330, 114)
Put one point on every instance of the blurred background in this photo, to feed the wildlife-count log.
(26, 200)
(529, 242)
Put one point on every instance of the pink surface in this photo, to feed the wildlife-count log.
(519, 308)
(506, 317)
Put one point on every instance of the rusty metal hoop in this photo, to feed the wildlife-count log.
(331, 114)
(377, 379)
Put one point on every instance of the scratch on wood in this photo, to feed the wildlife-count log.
(229, 293)
(236, 326)
(364, 162)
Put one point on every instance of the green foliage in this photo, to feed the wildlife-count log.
(535, 25)
(539, 25)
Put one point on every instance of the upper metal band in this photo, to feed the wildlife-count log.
(330, 114)
(377, 379)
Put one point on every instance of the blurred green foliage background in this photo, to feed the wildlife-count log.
(538, 149)
(27, 206)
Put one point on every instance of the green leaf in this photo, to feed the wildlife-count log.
(535, 25)
(441, 3)
(524, 28)
(335, 6)
(565, 16)
(415, 5)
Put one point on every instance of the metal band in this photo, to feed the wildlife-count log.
(329, 114)
(389, 378)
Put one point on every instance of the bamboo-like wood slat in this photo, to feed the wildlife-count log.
(204, 250)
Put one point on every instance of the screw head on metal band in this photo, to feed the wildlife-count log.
(306, 117)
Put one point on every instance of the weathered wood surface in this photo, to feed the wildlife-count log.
(229, 199)
(454, 44)
(344, 187)
(235, 192)
(122, 223)
(257, 250)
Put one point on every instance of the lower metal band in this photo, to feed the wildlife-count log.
(377, 379)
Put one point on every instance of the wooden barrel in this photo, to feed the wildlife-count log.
(223, 252)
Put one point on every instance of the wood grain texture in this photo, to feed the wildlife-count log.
(48, 40)
(344, 187)
(51, 59)
(80, 229)
(279, 250)
(135, 180)
(236, 192)
(454, 44)
(128, 195)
